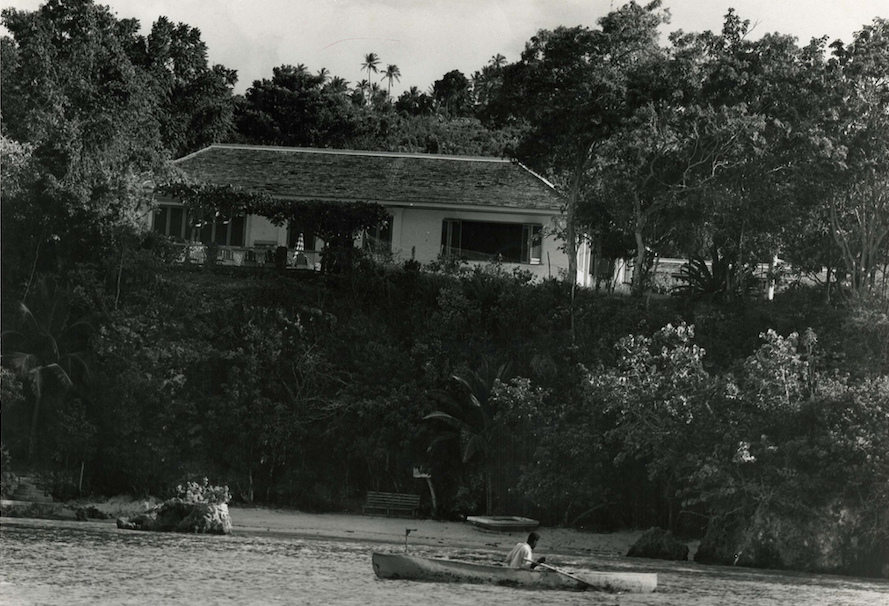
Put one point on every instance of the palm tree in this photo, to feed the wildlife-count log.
(391, 73)
(497, 61)
(371, 61)
(324, 74)
(467, 414)
(337, 85)
(45, 352)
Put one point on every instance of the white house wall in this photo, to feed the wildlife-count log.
(416, 233)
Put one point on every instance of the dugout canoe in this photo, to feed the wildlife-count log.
(503, 523)
(414, 568)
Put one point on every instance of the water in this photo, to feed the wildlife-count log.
(53, 562)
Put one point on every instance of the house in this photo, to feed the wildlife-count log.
(477, 208)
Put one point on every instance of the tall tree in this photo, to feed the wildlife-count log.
(761, 190)
(89, 115)
(296, 107)
(414, 103)
(486, 82)
(467, 413)
(47, 349)
(858, 195)
(570, 88)
(371, 63)
(195, 100)
(391, 73)
(452, 92)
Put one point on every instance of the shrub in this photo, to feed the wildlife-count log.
(203, 492)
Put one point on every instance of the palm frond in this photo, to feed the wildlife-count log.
(58, 373)
(442, 438)
(474, 446)
(446, 418)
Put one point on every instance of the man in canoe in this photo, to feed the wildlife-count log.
(522, 554)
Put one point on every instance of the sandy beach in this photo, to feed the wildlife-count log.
(425, 532)
(371, 528)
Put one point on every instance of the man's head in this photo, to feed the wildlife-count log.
(532, 539)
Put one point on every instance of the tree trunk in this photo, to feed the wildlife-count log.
(572, 246)
(33, 267)
(432, 496)
(639, 226)
(33, 434)
(119, 275)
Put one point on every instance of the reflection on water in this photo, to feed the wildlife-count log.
(52, 562)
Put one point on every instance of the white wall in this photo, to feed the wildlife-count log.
(416, 233)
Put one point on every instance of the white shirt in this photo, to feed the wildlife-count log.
(519, 556)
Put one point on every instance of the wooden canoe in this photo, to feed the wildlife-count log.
(503, 523)
(413, 568)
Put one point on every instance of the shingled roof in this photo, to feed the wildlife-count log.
(387, 178)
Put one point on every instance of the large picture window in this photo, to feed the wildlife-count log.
(492, 241)
(170, 221)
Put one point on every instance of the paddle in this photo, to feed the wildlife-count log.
(583, 583)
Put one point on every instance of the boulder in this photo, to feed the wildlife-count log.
(831, 539)
(660, 544)
(176, 515)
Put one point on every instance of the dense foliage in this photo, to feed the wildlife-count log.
(124, 372)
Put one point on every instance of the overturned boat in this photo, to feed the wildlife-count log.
(413, 568)
(503, 523)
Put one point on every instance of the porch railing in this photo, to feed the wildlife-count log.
(246, 256)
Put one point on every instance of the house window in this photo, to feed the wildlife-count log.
(170, 221)
(221, 231)
(490, 241)
(379, 238)
(173, 221)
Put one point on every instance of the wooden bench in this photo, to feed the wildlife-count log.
(390, 502)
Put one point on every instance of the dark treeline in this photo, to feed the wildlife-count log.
(761, 424)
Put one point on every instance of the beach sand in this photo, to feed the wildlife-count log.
(424, 532)
(367, 528)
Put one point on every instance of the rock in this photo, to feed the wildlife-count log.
(90, 511)
(125, 524)
(658, 543)
(207, 519)
(830, 539)
(176, 515)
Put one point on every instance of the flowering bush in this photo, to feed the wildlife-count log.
(203, 492)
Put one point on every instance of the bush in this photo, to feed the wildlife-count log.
(203, 492)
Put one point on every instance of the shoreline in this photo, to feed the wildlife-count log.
(427, 532)
(260, 521)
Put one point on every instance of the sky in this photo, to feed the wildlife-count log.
(427, 38)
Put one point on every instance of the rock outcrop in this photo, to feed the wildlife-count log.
(176, 515)
(827, 540)
(660, 544)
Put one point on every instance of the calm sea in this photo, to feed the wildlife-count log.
(52, 562)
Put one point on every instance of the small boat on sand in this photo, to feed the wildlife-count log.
(503, 523)
(413, 568)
